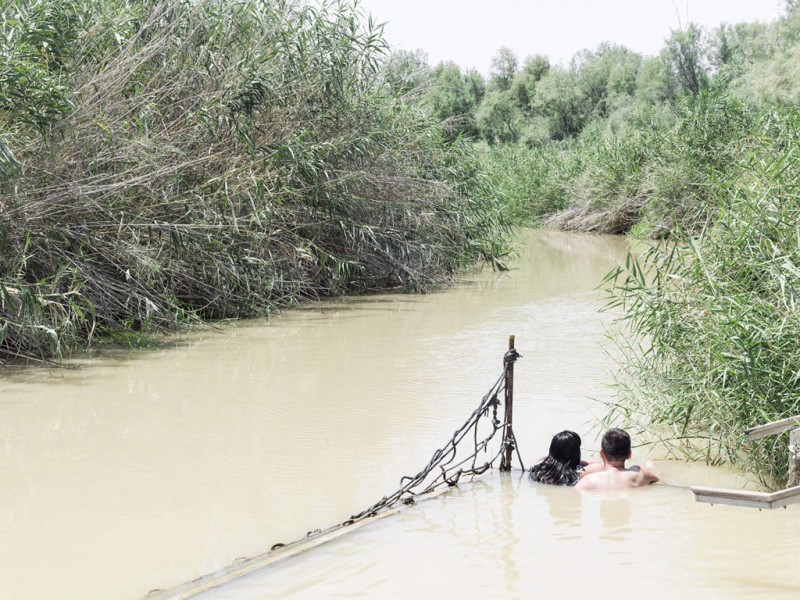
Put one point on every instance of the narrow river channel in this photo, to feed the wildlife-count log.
(144, 471)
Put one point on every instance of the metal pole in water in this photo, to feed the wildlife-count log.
(505, 463)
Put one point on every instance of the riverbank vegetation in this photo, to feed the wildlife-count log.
(614, 141)
(712, 345)
(694, 150)
(163, 162)
(168, 161)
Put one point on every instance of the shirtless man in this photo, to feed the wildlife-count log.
(615, 450)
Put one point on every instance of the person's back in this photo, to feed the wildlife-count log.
(615, 450)
(612, 478)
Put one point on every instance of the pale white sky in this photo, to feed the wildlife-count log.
(469, 32)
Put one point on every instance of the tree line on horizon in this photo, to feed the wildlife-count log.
(533, 101)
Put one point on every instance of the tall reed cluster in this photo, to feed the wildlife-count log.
(642, 179)
(714, 315)
(165, 161)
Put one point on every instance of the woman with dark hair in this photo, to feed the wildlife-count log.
(563, 464)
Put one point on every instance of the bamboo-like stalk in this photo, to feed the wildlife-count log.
(217, 159)
(714, 320)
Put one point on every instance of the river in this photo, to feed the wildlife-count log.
(142, 471)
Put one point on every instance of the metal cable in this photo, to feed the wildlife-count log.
(444, 458)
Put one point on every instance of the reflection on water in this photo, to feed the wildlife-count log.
(563, 507)
(615, 517)
(129, 475)
(504, 537)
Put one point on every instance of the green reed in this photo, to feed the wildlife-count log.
(168, 161)
(712, 315)
(645, 178)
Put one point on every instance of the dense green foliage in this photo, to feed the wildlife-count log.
(716, 317)
(647, 132)
(163, 161)
(695, 147)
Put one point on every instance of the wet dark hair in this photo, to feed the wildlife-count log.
(560, 466)
(616, 444)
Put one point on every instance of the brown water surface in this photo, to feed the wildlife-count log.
(144, 472)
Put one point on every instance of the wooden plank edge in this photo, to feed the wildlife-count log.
(247, 566)
(732, 497)
(774, 428)
(760, 500)
(785, 497)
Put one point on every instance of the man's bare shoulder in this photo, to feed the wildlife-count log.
(599, 480)
(612, 479)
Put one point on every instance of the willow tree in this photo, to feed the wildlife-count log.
(684, 53)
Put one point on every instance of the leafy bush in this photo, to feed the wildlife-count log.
(714, 318)
(532, 182)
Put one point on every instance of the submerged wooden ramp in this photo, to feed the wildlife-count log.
(762, 500)
(445, 461)
(246, 566)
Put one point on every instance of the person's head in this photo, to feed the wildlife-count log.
(616, 445)
(560, 466)
(565, 448)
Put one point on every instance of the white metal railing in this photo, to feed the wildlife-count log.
(781, 498)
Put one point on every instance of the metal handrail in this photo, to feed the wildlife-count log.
(759, 500)
(774, 428)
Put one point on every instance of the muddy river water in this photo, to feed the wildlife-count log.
(144, 471)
